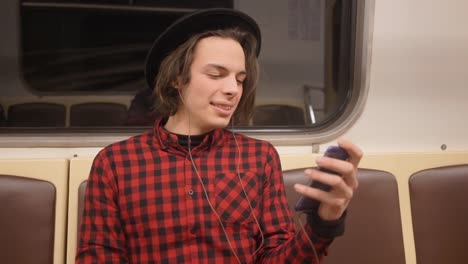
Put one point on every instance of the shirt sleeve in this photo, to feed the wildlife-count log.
(327, 228)
(100, 237)
(283, 244)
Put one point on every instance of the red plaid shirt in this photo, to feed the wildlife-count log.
(144, 204)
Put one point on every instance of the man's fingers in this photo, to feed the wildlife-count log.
(344, 168)
(337, 184)
(355, 153)
(328, 198)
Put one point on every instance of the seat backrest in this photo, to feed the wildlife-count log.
(278, 115)
(36, 115)
(439, 210)
(373, 225)
(98, 114)
(81, 196)
(33, 210)
(28, 220)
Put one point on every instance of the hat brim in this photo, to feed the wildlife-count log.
(192, 24)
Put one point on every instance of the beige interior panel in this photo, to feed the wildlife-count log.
(79, 172)
(54, 171)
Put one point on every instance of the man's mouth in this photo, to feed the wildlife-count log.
(222, 106)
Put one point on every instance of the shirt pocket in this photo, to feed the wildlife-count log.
(231, 202)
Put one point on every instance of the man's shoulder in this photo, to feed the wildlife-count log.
(251, 141)
(134, 143)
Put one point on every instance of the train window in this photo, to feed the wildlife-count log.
(92, 51)
(92, 45)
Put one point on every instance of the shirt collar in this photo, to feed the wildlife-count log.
(166, 139)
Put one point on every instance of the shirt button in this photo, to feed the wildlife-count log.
(190, 192)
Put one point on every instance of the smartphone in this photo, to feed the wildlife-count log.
(308, 204)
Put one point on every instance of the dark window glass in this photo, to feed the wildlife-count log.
(70, 50)
(93, 45)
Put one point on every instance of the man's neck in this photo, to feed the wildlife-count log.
(179, 125)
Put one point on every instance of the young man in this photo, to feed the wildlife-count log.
(190, 191)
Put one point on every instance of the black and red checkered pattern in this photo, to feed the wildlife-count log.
(145, 204)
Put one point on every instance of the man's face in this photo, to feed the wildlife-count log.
(215, 88)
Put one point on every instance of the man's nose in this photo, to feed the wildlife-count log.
(231, 87)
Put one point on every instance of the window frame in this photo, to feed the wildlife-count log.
(334, 127)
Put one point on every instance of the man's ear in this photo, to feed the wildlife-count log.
(177, 84)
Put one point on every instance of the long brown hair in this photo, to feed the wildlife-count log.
(176, 67)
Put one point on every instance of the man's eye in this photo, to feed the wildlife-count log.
(214, 75)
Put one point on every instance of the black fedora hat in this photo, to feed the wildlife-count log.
(192, 24)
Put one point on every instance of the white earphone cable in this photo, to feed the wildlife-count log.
(206, 194)
(308, 238)
(245, 193)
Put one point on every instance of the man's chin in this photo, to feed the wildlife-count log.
(221, 123)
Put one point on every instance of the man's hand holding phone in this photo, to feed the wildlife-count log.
(328, 194)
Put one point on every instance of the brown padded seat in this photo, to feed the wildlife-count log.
(28, 220)
(36, 115)
(98, 114)
(439, 207)
(373, 225)
(278, 115)
(81, 195)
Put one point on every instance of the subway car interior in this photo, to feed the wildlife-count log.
(390, 76)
